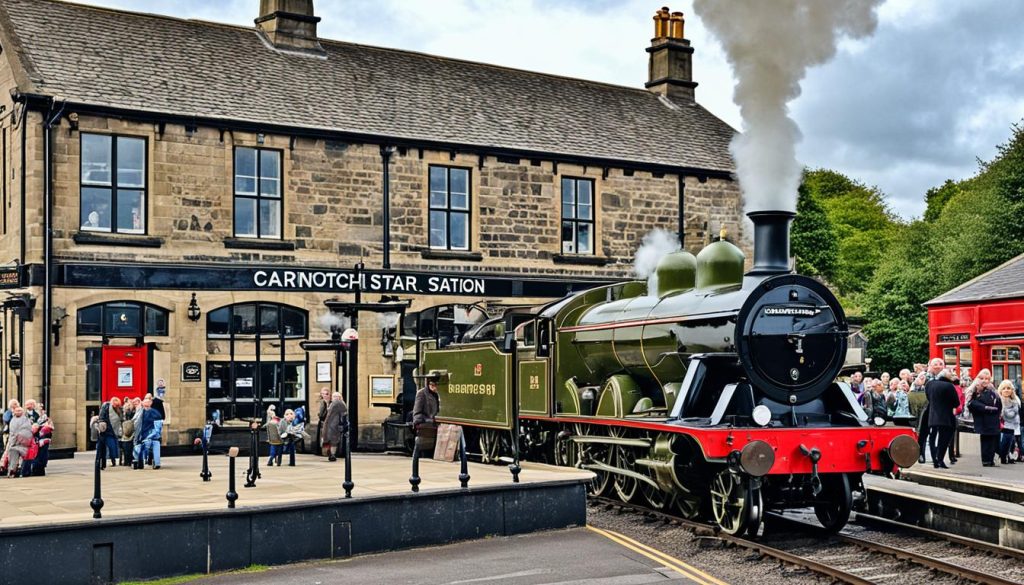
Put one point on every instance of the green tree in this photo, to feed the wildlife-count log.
(861, 223)
(897, 327)
(812, 239)
(938, 197)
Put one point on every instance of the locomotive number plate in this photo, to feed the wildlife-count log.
(790, 311)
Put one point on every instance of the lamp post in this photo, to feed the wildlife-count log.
(348, 342)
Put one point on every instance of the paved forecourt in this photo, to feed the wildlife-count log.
(293, 514)
(576, 556)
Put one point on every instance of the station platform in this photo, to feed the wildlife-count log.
(984, 503)
(166, 522)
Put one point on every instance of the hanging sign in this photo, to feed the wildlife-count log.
(191, 372)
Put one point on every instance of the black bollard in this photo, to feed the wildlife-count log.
(415, 479)
(97, 500)
(253, 473)
(232, 495)
(463, 463)
(348, 485)
(205, 473)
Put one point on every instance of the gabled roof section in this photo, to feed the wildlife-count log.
(1005, 281)
(165, 65)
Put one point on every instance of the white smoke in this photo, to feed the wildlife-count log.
(387, 320)
(770, 45)
(332, 322)
(656, 245)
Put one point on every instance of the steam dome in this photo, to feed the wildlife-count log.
(676, 272)
(719, 265)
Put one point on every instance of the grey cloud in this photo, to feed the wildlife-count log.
(897, 112)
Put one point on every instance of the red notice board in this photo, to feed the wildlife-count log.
(125, 371)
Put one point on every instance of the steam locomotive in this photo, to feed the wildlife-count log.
(711, 391)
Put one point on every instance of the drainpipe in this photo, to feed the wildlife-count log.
(385, 154)
(682, 211)
(49, 119)
(24, 134)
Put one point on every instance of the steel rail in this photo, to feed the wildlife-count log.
(979, 545)
(760, 548)
(908, 556)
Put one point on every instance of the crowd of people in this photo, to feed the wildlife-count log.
(128, 431)
(953, 402)
(26, 437)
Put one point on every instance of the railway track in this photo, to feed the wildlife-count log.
(855, 560)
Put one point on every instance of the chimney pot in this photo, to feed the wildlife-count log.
(677, 25)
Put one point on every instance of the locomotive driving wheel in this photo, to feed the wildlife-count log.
(626, 487)
(490, 445)
(565, 450)
(735, 503)
(588, 453)
(834, 510)
(656, 498)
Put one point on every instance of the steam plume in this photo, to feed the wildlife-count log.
(770, 45)
(656, 245)
(331, 322)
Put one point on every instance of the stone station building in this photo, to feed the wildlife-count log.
(180, 198)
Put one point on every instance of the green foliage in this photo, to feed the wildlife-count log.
(938, 197)
(812, 238)
(860, 223)
(897, 326)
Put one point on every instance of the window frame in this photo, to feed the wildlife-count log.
(1005, 364)
(448, 210)
(144, 309)
(259, 195)
(258, 307)
(575, 220)
(82, 184)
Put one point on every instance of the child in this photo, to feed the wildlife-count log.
(43, 436)
(291, 432)
(273, 427)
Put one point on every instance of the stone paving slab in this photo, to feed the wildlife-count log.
(64, 494)
(969, 466)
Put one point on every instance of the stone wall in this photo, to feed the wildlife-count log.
(333, 204)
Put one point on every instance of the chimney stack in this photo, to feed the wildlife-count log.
(670, 65)
(290, 25)
(771, 241)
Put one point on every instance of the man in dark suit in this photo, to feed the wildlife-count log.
(942, 401)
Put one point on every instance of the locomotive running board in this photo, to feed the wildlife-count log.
(620, 471)
(621, 441)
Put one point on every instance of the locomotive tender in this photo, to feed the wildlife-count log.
(714, 393)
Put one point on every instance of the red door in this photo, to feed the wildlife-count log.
(125, 371)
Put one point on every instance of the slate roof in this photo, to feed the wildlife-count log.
(153, 63)
(1002, 282)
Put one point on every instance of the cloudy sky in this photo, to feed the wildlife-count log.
(936, 87)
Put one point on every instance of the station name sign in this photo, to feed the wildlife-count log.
(319, 280)
(323, 280)
(954, 338)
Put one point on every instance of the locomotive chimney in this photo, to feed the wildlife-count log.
(771, 241)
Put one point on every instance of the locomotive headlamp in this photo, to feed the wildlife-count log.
(903, 450)
(762, 415)
(757, 458)
(879, 421)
